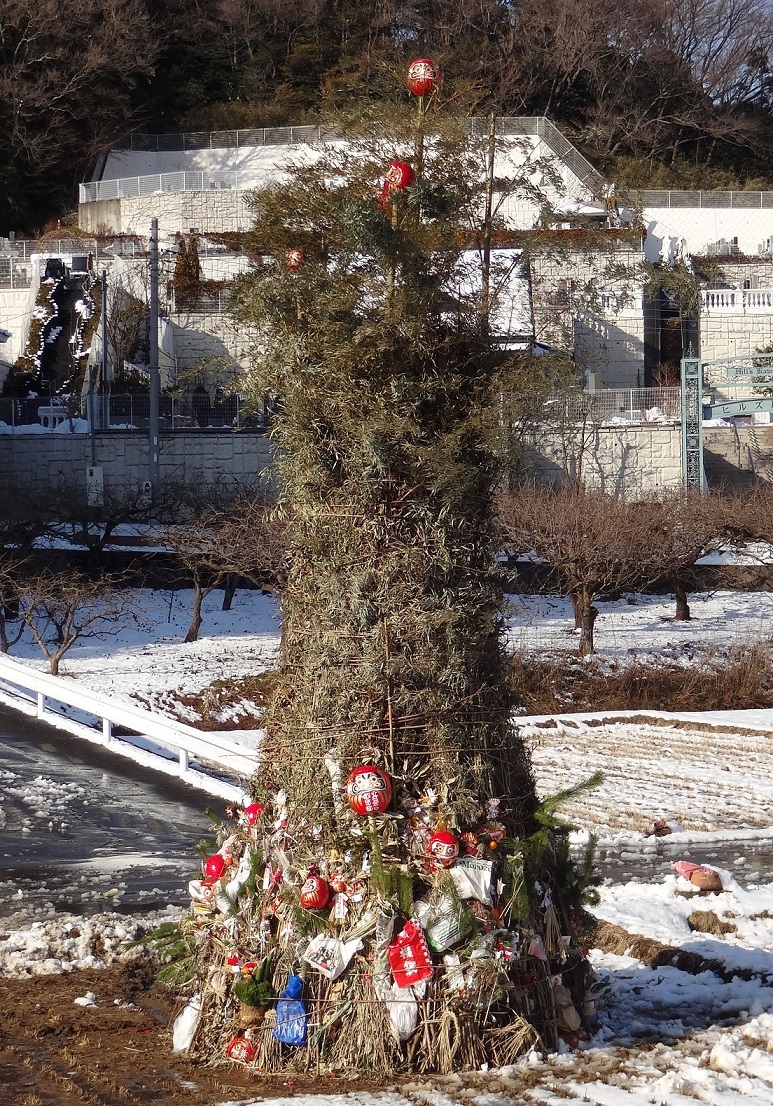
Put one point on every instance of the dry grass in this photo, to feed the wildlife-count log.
(739, 678)
(706, 921)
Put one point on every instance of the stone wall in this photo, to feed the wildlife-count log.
(633, 459)
(35, 462)
(214, 210)
(636, 459)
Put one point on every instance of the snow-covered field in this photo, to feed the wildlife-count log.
(664, 1036)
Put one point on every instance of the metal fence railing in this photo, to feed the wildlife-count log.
(670, 199)
(130, 412)
(117, 188)
(618, 405)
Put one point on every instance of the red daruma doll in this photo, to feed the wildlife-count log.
(368, 790)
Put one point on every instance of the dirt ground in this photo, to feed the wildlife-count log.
(54, 1052)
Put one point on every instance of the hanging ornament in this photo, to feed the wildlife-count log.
(368, 790)
(472, 844)
(399, 177)
(296, 259)
(423, 76)
(409, 956)
(252, 813)
(315, 892)
(443, 849)
(214, 866)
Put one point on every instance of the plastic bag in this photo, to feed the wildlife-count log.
(403, 1011)
(291, 1016)
(473, 878)
(185, 1025)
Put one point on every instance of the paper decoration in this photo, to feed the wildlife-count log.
(329, 955)
(409, 956)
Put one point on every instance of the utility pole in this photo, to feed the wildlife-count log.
(155, 381)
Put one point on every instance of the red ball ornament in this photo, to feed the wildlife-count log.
(214, 866)
(443, 849)
(296, 259)
(368, 790)
(422, 77)
(253, 812)
(314, 893)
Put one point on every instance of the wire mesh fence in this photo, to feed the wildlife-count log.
(131, 412)
(616, 405)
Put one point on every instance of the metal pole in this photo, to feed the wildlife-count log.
(104, 342)
(155, 382)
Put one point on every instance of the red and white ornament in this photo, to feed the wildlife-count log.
(423, 77)
(296, 259)
(252, 813)
(368, 790)
(443, 849)
(399, 177)
(409, 956)
(242, 1049)
(315, 892)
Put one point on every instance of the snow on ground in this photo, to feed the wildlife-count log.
(664, 1035)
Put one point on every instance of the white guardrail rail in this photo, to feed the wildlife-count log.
(209, 761)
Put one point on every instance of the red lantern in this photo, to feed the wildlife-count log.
(443, 849)
(314, 893)
(296, 259)
(422, 77)
(253, 812)
(368, 790)
(214, 866)
(239, 1048)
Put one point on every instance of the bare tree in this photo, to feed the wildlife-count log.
(686, 526)
(10, 592)
(61, 608)
(244, 540)
(592, 542)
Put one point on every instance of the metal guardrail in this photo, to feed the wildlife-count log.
(119, 188)
(176, 744)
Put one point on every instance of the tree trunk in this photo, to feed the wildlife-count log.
(589, 616)
(682, 606)
(229, 590)
(196, 620)
(577, 611)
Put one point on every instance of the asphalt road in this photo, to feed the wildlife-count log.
(82, 830)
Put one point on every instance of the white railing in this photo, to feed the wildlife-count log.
(148, 185)
(149, 739)
(512, 126)
(737, 299)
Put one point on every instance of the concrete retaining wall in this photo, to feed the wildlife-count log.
(34, 462)
(634, 459)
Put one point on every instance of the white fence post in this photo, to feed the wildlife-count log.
(41, 704)
(107, 730)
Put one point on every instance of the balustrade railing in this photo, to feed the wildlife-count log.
(737, 299)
